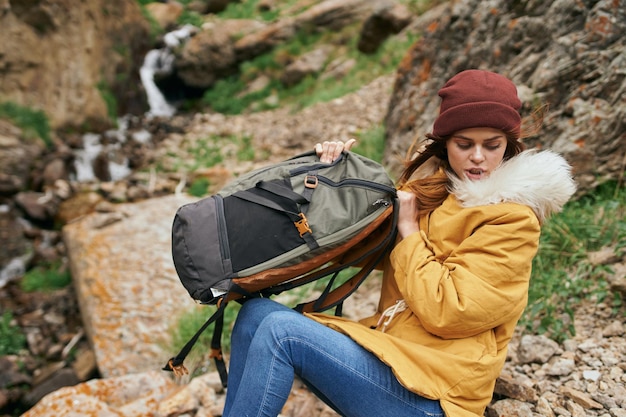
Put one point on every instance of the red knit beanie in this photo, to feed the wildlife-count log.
(476, 98)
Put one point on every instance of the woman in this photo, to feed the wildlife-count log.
(454, 286)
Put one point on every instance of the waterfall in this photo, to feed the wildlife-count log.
(155, 60)
(161, 62)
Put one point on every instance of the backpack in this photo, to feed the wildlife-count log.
(280, 227)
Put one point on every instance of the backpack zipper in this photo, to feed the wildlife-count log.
(359, 183)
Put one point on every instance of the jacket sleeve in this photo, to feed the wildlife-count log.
(481, 284)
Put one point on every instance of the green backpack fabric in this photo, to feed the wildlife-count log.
(280, 227)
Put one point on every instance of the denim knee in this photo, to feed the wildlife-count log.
(252, 313)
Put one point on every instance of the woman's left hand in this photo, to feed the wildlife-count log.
(407, 216)
(328, 151)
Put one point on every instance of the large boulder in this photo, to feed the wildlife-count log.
(128, 291)
(569, 55)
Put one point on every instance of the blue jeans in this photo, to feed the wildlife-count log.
(271, 343)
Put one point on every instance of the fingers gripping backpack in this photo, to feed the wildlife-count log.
(280, 227)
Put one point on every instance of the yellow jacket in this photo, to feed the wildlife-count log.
(464, 281)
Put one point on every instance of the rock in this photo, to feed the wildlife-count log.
(616, 328)
(40, 207)
(591, 375)
(200, 393)
(79, 205)
(54, 171)
(85, 364)
(517, 387)
(618, 412)
(509, 408)
(129, 301)
(216, 6)
(617, 281)
(543, 408)
(560, 366)
(387, 19)
(603, 257)
(63, 378)
(307, 64)
(580, 398)
(207, 56)
(302, 403)
(165, 14)
(10, 373)
(536, 349)
(338, 68)
(129, 395)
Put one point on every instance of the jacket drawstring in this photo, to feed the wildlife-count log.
(390, 312)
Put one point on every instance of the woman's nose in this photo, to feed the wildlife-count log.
(477, 155)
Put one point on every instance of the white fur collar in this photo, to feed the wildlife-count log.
(541, 180)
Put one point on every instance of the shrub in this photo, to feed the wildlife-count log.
(34, 123)
(46, 278)
(12, 340)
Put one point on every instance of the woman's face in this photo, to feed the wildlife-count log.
(474, 153)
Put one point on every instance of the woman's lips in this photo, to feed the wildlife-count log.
(475, 173)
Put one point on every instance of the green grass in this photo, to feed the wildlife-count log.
(34, 123)
(213, 150)
(109, 99)
(199, 187)
(46, 278)
(371, 143)
(248, 9)
(12, 340)
(563, 275)
(189, 17)
(206, 152)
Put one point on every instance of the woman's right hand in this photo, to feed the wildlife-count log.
(328, 151)
(407, 216)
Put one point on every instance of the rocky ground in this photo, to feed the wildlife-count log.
(584, 376)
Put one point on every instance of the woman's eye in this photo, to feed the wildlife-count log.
(493, 147)
(463, 145)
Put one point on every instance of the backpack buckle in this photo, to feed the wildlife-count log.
(303, 225)
(310, 181)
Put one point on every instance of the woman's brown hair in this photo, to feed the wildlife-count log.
(433, 189)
